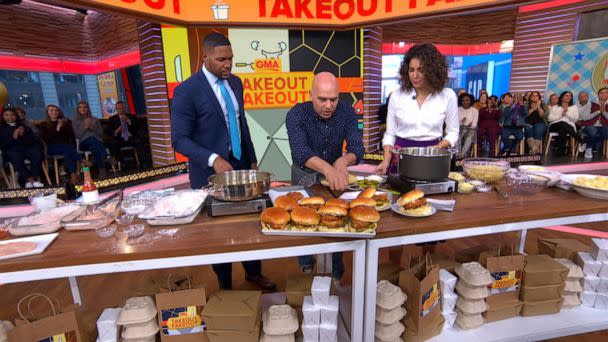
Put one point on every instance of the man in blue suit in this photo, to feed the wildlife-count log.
(208, 126)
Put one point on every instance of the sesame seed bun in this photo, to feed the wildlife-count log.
(338, 202)
(286, 202)
(367, 193)
(275, 218)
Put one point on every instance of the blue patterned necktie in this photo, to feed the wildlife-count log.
(235, 139)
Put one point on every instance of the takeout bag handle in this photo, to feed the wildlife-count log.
(31, 297)
(169, 282)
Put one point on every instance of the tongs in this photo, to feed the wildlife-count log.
(93, 207)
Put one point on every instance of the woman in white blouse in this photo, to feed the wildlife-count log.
(468, 116)
(418, 110)
(562, 119)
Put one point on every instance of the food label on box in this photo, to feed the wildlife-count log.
(65, 337)
(504, 282)
(182, 321)
(429, 300)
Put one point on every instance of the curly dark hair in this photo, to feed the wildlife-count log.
(433, 64)
(461, 96)
(561, 98)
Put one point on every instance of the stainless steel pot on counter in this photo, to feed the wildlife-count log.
(424, 163)
(239, 185)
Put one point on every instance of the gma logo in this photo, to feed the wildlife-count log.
(267, 65)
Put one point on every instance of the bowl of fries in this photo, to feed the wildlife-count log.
(588, 185)
(485, 169)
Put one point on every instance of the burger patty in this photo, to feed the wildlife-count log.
(417, 203)
(381, 199)
(277, 226)
(313, 206)
(360, 225)
(331, 221)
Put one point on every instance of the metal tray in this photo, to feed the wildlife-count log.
(325, 234)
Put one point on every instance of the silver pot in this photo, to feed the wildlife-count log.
(240, 185)
(424, 163)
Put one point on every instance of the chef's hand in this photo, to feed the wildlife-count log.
(382, 168)
(221, 165)
(338, 179)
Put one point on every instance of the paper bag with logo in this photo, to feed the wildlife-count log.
(421, 285)
(179, 313)
(59, 327)
(506, 271)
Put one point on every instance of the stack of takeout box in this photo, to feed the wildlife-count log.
(472, 288)
(138, 320)
(573, 283)
(595, 268)
(544, 280)
(280, 322)
(447, 282)
(233, 316)
(320, 312)
(389, 312)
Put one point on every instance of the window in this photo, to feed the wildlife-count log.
(70, 90)
(24, 91)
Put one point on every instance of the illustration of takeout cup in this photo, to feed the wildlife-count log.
(220, 10)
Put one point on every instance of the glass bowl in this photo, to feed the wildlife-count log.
(106, 232)
(124, 219)
(525, 183)
(485, 169)
(134, 230)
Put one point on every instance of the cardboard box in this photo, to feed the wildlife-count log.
(389, 272)
(233, 310)
(235, 335)
(546, 307)
(419, 336)
(540, 293)
(543, 270)
(561, 248)
(500, 308)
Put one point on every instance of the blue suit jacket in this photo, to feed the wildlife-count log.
(198, 127)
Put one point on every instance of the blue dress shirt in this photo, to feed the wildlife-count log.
(310, 135)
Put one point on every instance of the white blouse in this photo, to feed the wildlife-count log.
(408, 121)
(556, 115)
(468, 117)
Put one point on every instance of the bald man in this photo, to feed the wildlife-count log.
(316, 131)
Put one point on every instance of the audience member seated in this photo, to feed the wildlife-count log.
(536, 121)
(122, 128)
(593, 121)
(513, 120)
(87, 130)
(27, 122)
(487, 125)
(18, 143)
(562, 119)
(553, 101)
(468, 117)
(58, 134)
(482, 102)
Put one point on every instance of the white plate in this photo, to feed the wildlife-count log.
(584, 190)
(41, 241)
(395, 208)
(325, 234)
(276, 192)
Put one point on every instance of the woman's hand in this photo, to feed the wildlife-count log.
(382, 168)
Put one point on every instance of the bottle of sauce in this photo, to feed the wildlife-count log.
(89, 190)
